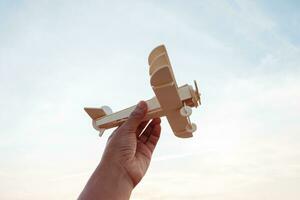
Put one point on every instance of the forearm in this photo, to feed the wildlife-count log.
(108, 181)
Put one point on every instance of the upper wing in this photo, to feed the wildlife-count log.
(159, 59)
(166, 90)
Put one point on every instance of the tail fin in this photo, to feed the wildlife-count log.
(96, 113)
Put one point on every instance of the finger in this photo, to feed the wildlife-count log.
(136, 116)
(141, 127)
(153, 138)
(113, 133)
(148, 131)
(146, 148)
(110, 137)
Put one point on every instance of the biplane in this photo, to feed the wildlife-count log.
(170, 100)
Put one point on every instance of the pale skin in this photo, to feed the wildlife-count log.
(126, 158)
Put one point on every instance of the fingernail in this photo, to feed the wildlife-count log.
(140, 104)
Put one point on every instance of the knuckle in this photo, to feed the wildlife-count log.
(126, 128)
(137, 114)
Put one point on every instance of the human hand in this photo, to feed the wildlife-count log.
(126, 157)
(130, 148)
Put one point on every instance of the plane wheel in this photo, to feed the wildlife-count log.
(192, 128)
(186, 111)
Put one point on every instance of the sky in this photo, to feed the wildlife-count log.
(57, 57)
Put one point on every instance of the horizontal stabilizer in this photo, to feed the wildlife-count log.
(96, 113)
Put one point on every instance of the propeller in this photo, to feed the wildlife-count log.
(197, 92)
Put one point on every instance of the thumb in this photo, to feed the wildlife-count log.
(136, 116)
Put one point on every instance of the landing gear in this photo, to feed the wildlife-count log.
(186, 111)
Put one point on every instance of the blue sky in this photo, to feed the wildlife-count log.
(57, 57)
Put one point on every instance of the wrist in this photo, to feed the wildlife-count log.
(116, 175)
(109, 181)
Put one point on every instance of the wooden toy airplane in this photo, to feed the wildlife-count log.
(171, 101)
